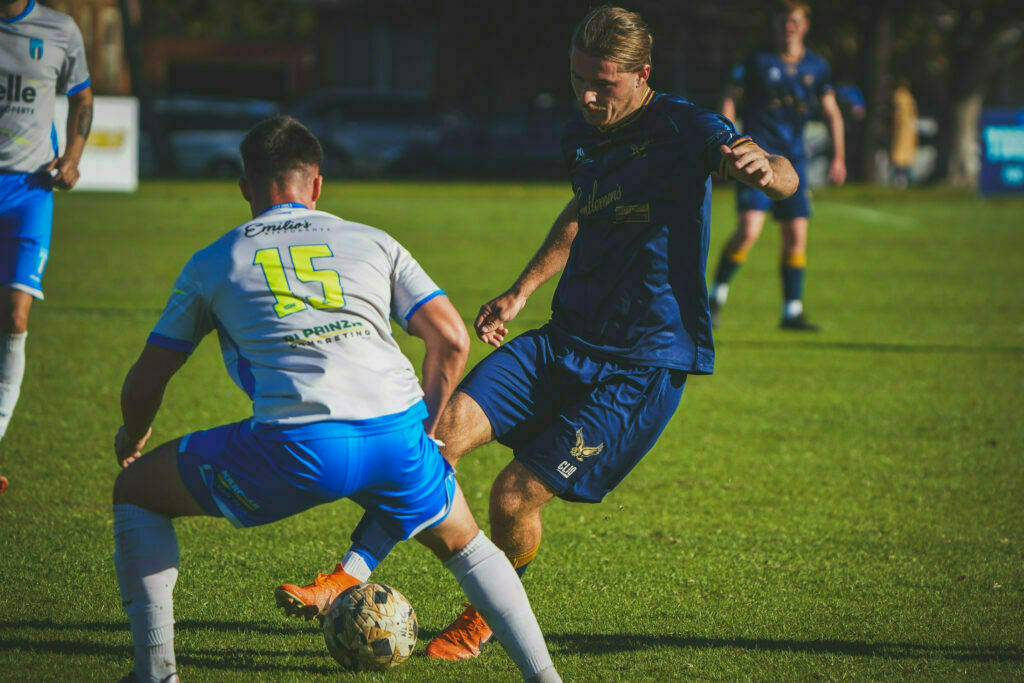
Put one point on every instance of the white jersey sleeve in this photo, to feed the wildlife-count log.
(74, 72)
(411, 287)
(186, 318)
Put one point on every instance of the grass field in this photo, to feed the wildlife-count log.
(848, 505)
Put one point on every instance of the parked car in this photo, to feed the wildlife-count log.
(366, 135)
(526, 144)
(200, 135)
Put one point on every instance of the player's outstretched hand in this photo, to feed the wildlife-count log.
(750, 162)
(837, 172)
(128, 452)
(490, 322)
(66, 174)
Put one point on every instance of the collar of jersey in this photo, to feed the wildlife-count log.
(632, 117)
(283, 205)
(28, 8)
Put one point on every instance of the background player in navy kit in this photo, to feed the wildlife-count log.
(582, 399)
(779, 90)
(41, 55)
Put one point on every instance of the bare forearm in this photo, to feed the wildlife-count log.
(140, 401)
(729, 108)
(838, 132)
(442, 370)
(552, 255)
(79, 125)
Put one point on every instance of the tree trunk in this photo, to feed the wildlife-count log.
(964, 162)
(878, 52)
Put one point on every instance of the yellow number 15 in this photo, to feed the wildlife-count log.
(287, 302)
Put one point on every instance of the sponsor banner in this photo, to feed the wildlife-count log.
(110, 161)
(1002, 151)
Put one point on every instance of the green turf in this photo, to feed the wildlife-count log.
(843, 505)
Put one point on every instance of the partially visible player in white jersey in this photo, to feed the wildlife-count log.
(41, 56)
(300, 300)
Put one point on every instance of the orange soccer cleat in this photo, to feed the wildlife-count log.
(464, 637)
(315, 599)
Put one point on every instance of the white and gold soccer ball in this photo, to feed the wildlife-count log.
(370, 627)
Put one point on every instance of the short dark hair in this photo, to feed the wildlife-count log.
(275, 147)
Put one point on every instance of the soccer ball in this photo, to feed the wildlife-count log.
(370, 627)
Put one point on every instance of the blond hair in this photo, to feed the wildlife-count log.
(616, 35)
(790, 6)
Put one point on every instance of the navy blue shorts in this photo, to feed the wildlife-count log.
(796, 206)
(579, 423)
(253, 474)
(26, 221)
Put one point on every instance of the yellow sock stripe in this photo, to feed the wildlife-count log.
(738, 256)
(739, 142)
(795, 260)
(523, 559)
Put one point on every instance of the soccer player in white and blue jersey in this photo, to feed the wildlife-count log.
(300, 301)
(41, 56)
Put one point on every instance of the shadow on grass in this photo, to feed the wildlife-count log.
(866, 346)
(230, 658)
(609, 642)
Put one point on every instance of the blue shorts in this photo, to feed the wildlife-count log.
(26, 221)
(256, 474)
(579, 423)
(796, 206)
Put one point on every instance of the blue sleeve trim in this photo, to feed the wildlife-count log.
(170, 343)
(79, 88)
(422, 301)
(53, 139)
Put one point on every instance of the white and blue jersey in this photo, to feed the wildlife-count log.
(41, 56)
(301, 301)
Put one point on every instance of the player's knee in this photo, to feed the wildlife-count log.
(15, 320)
(515, 493)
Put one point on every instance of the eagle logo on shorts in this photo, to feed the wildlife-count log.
(581, 450)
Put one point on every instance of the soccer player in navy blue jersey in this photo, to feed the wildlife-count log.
(583, 398)
(780, 89)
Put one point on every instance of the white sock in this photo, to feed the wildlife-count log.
(12, 369)
(146, 561)
(720, 293)
(355, 565)
(491, 584)
(792, 308)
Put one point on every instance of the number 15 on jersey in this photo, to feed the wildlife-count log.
(287, 301)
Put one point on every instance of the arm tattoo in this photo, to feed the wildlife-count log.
(85, 121)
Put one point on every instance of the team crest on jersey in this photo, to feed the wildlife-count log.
(582, 158)
(640, 151)
(35, 48)
(774, 73)
(581, 450)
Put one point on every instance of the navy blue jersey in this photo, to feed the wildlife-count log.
(779, 98)
(633, 288)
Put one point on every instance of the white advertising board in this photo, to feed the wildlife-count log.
(110, 161)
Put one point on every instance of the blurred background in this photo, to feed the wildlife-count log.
(457, 89)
